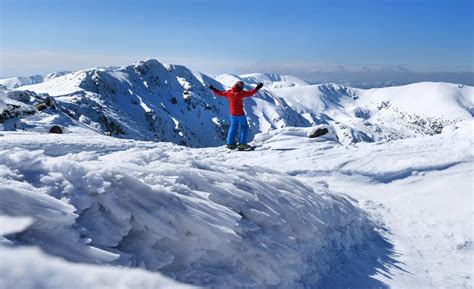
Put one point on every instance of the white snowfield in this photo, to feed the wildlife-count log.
(383, 199)
(222, 220)
(203, 222)
(382, 113)
(15, 82)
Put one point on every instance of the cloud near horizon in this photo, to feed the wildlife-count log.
(32, 63)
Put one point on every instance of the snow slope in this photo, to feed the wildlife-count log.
(152, 101)
(269, 80)
(209, 217)
(15, 82)
(419, 189)
(382, 113)
(287, 215)
(160, 207)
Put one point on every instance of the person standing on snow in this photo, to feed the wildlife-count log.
(235, 95)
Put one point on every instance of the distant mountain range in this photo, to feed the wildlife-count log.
(18, 81)
(149, 100)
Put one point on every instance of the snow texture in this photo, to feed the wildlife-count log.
(199, 222)
(152, 101)
(382, 200)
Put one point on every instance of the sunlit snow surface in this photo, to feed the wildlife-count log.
(375, 203)
(152, 101)
(241, 219)
(156, 206)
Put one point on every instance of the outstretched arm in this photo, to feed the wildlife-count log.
(247, 93)
(217, 91)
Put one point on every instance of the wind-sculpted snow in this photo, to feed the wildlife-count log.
(198, 221)
(29, 268)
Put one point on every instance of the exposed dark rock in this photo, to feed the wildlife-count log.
(14, 111)
(319, 132)
(112, 127)
(56, 129)
(48, 102)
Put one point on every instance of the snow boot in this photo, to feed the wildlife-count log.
(244, 147)
(231, 146)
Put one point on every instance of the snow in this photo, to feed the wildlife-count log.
(145, 100)
(62, 85)
(15, 82)
(9, 225)
(187, 212)
(434, 99)
(29, 268)
(382, 114)
(268, 80)
(184, 216)
(420, 189)
(384, 199)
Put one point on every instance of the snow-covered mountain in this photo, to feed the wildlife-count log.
(382, 113)
(268, 80)
(15, 82)
(152, 101)
(369, 85)
(148, 101)
(382, 199)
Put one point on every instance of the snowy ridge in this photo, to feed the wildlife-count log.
(198, 221)
(268, 80)
(15, 82)
(152, 101)
(382, 113)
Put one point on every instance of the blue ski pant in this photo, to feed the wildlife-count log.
(235, 121)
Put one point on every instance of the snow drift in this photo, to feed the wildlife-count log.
(29, 268)
(197, 221)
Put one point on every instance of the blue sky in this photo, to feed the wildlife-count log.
(308, 38)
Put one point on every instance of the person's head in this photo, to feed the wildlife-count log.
(238, 86)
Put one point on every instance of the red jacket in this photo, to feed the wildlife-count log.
(235, 97)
